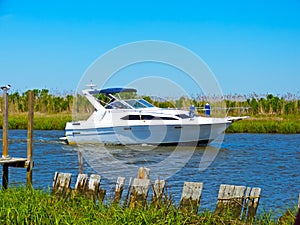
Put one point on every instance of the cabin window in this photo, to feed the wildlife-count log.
(146, 117)
(182, 116)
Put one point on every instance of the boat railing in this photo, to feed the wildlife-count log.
(224, 111)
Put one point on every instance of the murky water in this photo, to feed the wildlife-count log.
(268, 161)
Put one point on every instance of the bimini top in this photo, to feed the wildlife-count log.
(112, 90)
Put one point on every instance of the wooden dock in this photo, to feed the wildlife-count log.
(7, 161)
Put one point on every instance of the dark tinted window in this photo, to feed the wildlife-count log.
(146, 117)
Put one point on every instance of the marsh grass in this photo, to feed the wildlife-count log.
(257, 124)
(269, 113)
(21, 205)
(42, 121)
(267, 124)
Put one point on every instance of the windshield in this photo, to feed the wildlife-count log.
(128, 104)
(117, 105)
(139, 103)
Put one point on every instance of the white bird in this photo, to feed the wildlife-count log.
(5, 88)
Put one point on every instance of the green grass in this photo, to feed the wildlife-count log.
(267, 124)
(41, 121)
(23, 205)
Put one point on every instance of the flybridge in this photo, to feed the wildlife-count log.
(111, 90)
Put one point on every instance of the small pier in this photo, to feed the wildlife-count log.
(8, 161)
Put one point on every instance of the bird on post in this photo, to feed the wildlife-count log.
(6, 88)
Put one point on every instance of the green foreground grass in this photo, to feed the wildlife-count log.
(23, 205)
(257, 124)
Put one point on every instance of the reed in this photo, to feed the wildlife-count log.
(269, 124)
(21, 205)
(269, 113)
(42, 121)
(256, 124)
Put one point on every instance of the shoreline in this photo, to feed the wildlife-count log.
(255, 124)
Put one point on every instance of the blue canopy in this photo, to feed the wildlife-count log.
(112, 90)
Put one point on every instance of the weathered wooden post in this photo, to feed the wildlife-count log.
(30, 138)
(253, 204)
(246, 203)
(61, 184)
(224, 197)
(139, 193)
(158, 191)
(5, 139)
(93, 186)
(119, 189)
(128, 193)
(238, 201)
(81, 184)
(5, 126)
(230, 198)
(143, 173)
(190, 198)
(80, 162)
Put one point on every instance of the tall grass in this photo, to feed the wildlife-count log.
(41, 121)
(261, 104)
(269, 124)
(21, 205)
(272, 114)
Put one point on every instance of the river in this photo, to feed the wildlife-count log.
(268, 161)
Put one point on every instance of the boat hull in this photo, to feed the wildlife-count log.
(144, 134)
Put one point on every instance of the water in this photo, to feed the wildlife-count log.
(268, 161)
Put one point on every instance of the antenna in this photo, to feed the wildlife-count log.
(91, 85)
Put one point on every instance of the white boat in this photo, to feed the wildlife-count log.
(136, 121)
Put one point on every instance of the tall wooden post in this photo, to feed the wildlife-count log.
(5, 125)
(80, 162)
(30, 138)
(5, 140)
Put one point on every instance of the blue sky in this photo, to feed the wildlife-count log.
(251, 46)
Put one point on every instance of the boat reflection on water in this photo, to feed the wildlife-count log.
(163, 162)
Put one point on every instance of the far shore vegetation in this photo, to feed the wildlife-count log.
(268, 113)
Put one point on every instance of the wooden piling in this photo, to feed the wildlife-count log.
(190, 198)
(119, 189)
(237, 200)
(158, 191)
(139, 193)
(61, 184)
(81, 184)
(93, 187)
(30, 138)
(5, 126)
(253, 204)
(101, 195)
(5, 176)
(128, 193)
(246, 203)
(224, 196)
(5, 139)
(143, 173)
(80, 162)
(231, 198)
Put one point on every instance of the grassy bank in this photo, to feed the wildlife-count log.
(42, 121)
(267, 124)
(27, 206)
(258, 124)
